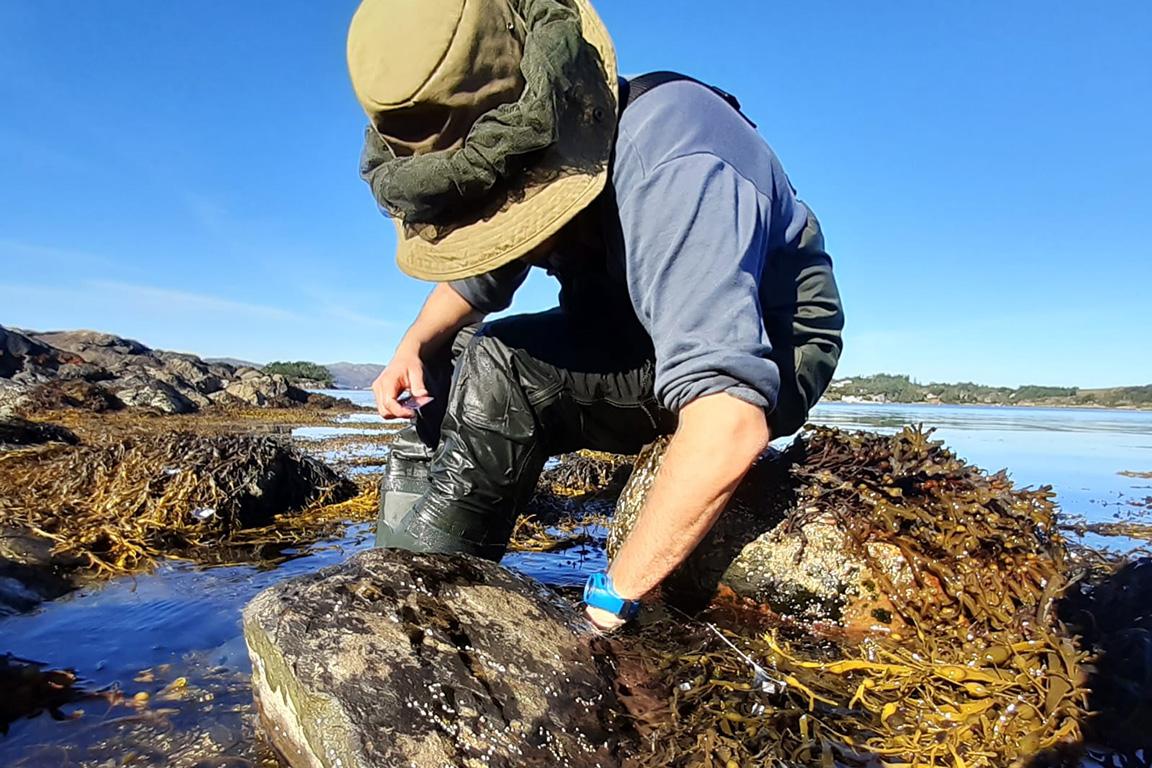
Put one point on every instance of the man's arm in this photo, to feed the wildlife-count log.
(444, 313)
(449, 307)
(696, 238)
(718, 439)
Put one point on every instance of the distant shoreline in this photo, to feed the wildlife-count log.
(1041, 406)
(825, 401)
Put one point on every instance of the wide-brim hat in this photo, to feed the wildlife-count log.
(442, 83)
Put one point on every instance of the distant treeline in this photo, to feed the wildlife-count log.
(301, 371)
(889, 388)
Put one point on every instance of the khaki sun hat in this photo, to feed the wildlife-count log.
(491, 123)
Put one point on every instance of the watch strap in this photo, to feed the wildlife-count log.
(599, 593)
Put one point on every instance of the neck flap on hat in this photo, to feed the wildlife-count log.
(562, 76)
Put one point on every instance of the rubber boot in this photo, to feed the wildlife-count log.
(404, 482)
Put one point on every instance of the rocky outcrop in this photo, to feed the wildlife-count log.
(853, 528)
(259, 389)
(808, 571)
(24, 587)
(394, 658)
(116, 506)
(19, 352)
(100, 371)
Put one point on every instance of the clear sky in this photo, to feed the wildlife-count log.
(185, 174)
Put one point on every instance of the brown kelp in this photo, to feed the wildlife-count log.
(115, 505)
(970, 666)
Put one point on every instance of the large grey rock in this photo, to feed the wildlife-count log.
(196, 373)
(153, 394)
(260, 389)
(396, 659)
(806, 571)
(32, 364)
(85, 343)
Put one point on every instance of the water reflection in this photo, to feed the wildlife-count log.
(1079, 452)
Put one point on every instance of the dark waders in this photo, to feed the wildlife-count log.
(518, 390)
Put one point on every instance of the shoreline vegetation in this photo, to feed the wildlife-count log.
(884, 388)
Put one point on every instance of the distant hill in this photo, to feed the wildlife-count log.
(354, 375)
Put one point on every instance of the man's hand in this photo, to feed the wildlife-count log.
(602, 620)
(444, 313)
(404, 372)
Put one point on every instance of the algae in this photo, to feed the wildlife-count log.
(976, 670)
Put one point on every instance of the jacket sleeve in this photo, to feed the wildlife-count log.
(694, 233)
(492, 291)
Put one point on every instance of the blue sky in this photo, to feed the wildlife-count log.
(185, 174)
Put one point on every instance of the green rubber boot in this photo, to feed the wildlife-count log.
(404, 482)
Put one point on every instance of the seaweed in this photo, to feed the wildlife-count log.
(975, 668)
(116, 505)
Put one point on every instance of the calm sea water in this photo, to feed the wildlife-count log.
(183, 621)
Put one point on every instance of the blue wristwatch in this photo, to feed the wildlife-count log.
(599, 593)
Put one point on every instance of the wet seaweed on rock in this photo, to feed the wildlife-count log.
(116, 505)
(975, 670)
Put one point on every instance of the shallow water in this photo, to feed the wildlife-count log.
(183, 621)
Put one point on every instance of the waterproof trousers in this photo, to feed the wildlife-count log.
(520, 389)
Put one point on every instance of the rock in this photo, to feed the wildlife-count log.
(401, 659)
(585, 472)
(31, 688)
(326, 402)
(91, 345)
(153, 394)
(73, 393)
(162, 381)
(1112, 614)
(222, 398)
(261, 389)
(113, 353)
(13, 396)
(193, 371)
(15, 431)
(31, 573)
(24, 587)
(18, 350)
(84, 372)
(807, 571)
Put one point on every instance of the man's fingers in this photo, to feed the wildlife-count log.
(393, 410)
(381, 400)
(416, 380)
(384, 391)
